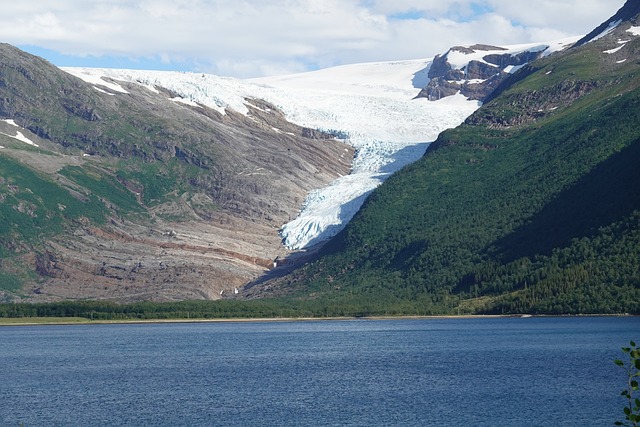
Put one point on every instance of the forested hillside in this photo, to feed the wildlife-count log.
(531, 206)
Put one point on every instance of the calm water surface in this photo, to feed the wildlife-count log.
(431, 372)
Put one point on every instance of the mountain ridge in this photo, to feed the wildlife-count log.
(629, 13)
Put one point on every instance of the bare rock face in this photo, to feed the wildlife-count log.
(477, 79)
(155, 200)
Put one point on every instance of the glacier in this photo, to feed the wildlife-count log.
(371, 106)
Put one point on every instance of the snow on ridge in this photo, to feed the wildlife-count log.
(218, 93)
(617, 49)
(612, 26)
(459, 59)
(634, 30)
(90, 76)
(185, 101)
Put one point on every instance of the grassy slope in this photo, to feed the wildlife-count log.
(540, 215)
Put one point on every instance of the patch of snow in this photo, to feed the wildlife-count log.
(560, 45)
(90, 76)
(19, 135)
(612, 26)
(459, 60)
(103, 91)
(610, 51)
(512, 68)
(264, 110)
(634, 30)
(185, 101)
(471, 81)
(621, 61)
(280, 131)
(152, 88)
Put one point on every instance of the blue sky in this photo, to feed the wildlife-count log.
(250, 38)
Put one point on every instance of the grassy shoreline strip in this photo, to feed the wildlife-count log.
(61, 321)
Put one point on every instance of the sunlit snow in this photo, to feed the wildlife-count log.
(89, 76)
(634, 30)
(612, 26)
(184, 101)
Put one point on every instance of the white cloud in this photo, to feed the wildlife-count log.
(257, 37)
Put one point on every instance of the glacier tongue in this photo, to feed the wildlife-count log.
(371, 104)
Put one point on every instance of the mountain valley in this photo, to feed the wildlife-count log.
(488, 180)
(530, 206)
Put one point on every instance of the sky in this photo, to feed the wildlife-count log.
(253, 38)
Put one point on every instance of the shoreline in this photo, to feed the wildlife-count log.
(59, 321)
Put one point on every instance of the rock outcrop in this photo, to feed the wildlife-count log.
(485, 68)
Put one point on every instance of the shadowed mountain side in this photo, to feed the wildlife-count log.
(599, 199)
(421, 78)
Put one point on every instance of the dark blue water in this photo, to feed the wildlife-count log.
(462, 372)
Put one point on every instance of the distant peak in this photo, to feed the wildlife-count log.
(627, 13)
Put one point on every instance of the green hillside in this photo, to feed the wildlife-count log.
(531, 206)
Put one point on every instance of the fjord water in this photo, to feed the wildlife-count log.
(414, 372)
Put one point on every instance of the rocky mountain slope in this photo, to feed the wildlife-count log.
(121, 191)
(531, 206)
(138, 185)
(193, 171)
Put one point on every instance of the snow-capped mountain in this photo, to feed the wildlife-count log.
(475, 71)
(374, 107)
